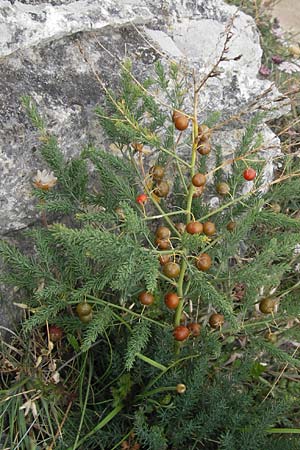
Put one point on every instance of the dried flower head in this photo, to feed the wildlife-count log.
(44, 180)
(294, 50)
(297, 268)
(264, 71)
(297, 249)
(278, 32)
(277, 59)
(238, 291)
(289, 67)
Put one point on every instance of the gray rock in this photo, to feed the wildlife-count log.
(40, 57)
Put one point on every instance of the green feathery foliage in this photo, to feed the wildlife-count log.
(124, 375)
(137, 342)
(101, 321)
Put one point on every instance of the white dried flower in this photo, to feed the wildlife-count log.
(289, 67)
(214, 202)
(278, 32)
(28, 406)
(297, 249)
(55, 377)
(44, 180)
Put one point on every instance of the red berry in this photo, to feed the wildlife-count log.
(86, 318)
(198, 191)
(83, 309)
(175, 115)
(203, 262)
(199, 179)
(141, 199)
(163, 244)
(204, 148)
(163, 233)
(222, 188)
(209, 228)
(55, 333)
(146, 298)
(231, 226)
(171, 300)
(249, 174)
(181, 333)
(164, 259)
(162, 189)
(181, 122)
(194, 228)
(195, 328)
(181, 388)
(157, 172)
(171, 270)
(267, 305)
(216, 320)
(204, 132)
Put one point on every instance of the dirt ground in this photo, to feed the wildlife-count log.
(288, 13)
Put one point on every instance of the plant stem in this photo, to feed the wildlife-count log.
(162, 212)
(180, 293)
(175, 363)
(99, 426)
(168, 252)
(160, 216)
(283, 430)
(151, 361)
(122, 308)
(157, 391)
(182, 177)
(225, 206)
(83, 407)
(168, 152)
(122, 440)
(155, 203)
(169, 280)
(188, 212)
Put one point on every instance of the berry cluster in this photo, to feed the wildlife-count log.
(171, 267)
(84, 311)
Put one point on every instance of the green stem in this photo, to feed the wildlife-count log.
(99, 426)
(232, 202)
(122, 440)
(151, 361)
(156, 391)
(162, 212)
(283, 430)
(191, 188)
(120, 319)
(83, 409)
(188, 214)
(182, 177)
(168, 252)
(155, 203)
(175, 363)
(180, 293)
(160, 216)
(169, 280)
(259, 323)
(112, 305)
(168, 152)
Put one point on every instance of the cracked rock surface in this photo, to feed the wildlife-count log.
(40, 57)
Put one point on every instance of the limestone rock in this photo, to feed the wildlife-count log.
(40, 57)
